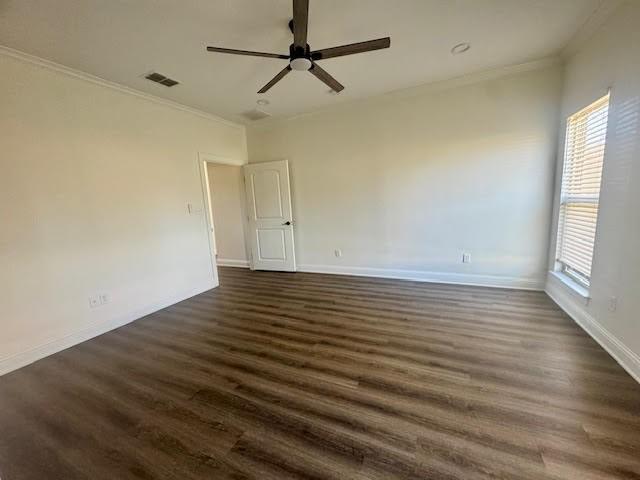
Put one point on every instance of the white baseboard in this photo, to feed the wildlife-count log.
(627, 359)
(27, 357)
(433, 277)
(229, 262)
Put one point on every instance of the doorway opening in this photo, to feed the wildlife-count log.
(224, 213)
(249, 214)
(227, 214)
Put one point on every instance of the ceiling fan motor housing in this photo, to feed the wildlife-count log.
(300, 57)
(299, 52)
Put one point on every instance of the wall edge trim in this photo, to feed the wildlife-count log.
(27, 357)
(427, 88)
(622, 354)
(495, 281)
(230, 262)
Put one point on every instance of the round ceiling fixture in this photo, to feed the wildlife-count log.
(460, 48)
(300, 64)
(263, 102)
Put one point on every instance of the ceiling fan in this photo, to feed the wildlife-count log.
(301, 57)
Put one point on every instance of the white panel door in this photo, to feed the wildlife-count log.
(270, 221)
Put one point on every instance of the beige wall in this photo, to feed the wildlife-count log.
(404, 185)
(94, 186)
(226, 187)
(611, 59)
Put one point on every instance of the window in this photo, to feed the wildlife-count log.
(580, 194)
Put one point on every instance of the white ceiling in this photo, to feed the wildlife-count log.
(120, 40)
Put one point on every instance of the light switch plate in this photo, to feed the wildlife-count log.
(193, 208)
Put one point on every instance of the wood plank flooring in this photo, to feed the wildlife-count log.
(277, 376)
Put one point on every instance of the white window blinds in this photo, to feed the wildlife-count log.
(580, 195)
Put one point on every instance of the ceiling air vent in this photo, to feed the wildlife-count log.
(256, 114)
(161, 79)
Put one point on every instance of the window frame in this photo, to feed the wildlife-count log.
(562, 267)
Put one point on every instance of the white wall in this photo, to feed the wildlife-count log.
(227, 195)
(404, 184)
(611, 59)
(94, 186)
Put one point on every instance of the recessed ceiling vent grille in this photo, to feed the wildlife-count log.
(161, 79)
(256, 114)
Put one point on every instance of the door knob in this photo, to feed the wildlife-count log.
(287, 223)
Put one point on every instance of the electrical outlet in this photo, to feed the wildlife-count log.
(613, 304)
(337, 252)
(466, 258)
(98, 300)
(94, 301)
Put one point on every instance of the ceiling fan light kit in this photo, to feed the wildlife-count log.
(301, 57)
(300, 64)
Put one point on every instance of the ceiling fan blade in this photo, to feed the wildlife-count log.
(275, 79)
(351, 49)
(247, 52)
(300, 22)
(326, 78)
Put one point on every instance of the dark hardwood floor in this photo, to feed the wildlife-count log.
(281, 376)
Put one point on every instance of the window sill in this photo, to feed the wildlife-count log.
(572, 284)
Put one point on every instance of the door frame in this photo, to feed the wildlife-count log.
(202, 160)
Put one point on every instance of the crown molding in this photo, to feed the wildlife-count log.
(422, 89)
(87, 77)
(591, 25)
